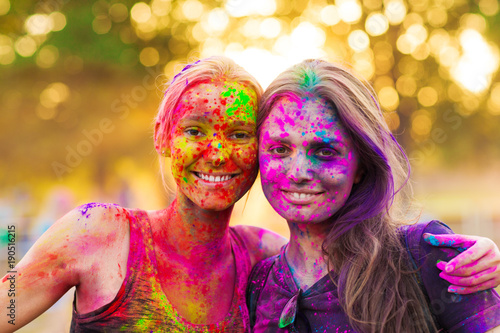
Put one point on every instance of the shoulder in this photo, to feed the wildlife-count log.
(261, 243)
(72, 247)
(419, 248)
(88, 228)
(96, 220)
(418, 229)
(451, 311)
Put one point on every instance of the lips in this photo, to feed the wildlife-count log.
(214, 178)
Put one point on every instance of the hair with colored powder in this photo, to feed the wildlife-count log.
(376, 287)
(216, 68)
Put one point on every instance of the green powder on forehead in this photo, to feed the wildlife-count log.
(241, 101)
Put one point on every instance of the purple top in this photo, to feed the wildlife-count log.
(318, 308)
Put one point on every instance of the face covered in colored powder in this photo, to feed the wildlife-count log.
(214, 145)
(307, 160)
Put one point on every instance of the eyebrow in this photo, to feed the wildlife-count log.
(194, 118)
(314, 144)
(204, 120)
(248, 122)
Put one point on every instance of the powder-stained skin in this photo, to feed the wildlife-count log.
(214, 145)
(307, 160)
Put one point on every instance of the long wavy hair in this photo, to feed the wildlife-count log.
(376, 286)
(212, 69)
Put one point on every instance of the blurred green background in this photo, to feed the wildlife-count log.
(80, 83)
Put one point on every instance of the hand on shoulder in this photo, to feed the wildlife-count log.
(476, 268)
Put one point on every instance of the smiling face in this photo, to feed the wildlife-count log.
(307, 160)
(214, 145)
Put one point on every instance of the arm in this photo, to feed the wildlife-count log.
(55, 263)
(477, 312)
(475, 269)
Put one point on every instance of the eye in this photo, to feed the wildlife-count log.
(193, 132)
(325, 153)
(239, 136)
(280, 150)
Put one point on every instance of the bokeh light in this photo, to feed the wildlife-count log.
(149, 56)
(376, 24)
(349, 11)
(358, 40)
(477, 63)
(395, 11)
(330, 15)
(47, 56)
(58, 21)
(25, 46)
(4, 7)
(38, 24)
(140, 12)
(240, 8)
(54, 94)
(118, 12)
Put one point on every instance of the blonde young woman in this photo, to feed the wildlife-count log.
(177, 269)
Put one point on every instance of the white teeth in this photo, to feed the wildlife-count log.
(212, 179)
(301, 195)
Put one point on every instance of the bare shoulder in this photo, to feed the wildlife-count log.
(261, 243)
(98, 220)
(82, 232)
(70, 253)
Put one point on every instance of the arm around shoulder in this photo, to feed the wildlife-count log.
(52, 266)
(261, 243)
(476, 312)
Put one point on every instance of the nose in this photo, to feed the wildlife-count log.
(217, 152)
(299, 170)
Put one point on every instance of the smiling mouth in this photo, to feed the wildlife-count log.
(297, 195)
(214, 179)
(301, 197)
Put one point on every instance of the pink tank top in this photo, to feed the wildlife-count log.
(141, 304)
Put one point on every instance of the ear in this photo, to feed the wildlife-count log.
(160, 146)
(359, 175)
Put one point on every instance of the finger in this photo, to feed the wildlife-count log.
(441, 264)
(450, 240)
(469, 290)
(470, 280)
(477, 258)
(475, 267)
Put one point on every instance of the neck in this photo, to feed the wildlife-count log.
(304, 254)
(186, 232)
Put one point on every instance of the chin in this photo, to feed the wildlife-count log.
(305, 215)
(213, 204)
